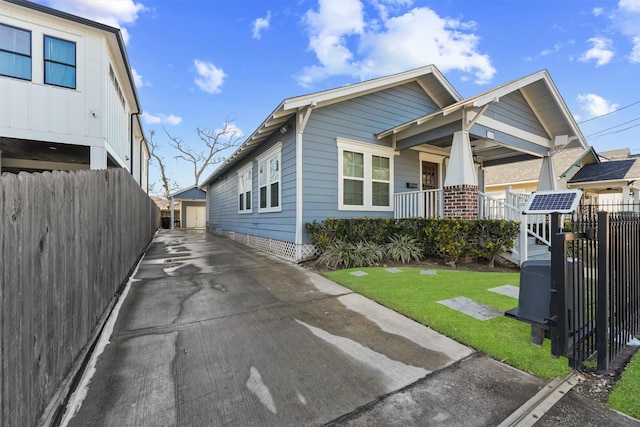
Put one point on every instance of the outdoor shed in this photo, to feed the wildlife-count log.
(191, 203)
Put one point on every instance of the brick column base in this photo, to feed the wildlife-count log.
(461, 201)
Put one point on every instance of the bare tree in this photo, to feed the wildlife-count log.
(167, 184)
(215, 142)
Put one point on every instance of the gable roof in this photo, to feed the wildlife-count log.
(193, 192)
(537, 90)
(429, 78)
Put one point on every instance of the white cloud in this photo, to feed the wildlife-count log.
(210, 77)
(595, 105)
(260, 25)
(345, 43)
(138, 80)
(232, 131)
(635, 51)
(597, 11)
(602, 51)
(556, 48)
(112, 13)
(161, 119)
(626, 19)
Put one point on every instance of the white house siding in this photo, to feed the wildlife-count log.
(358, 119)
(90, 114)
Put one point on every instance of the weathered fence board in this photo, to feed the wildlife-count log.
(68, 242)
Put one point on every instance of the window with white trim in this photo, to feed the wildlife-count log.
(365, 176)
(245, 183)
(269, 180)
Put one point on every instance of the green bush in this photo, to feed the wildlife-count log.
(448, 238)
(341, 254)
(403, 248)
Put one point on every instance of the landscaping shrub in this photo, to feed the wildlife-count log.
(451, 239)
(403, 248)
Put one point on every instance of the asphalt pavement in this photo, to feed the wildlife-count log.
(210, 332)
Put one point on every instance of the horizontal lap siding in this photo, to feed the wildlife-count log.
(514, 110)
(223, 197)
(358, 119)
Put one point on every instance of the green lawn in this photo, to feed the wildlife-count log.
(416, 296)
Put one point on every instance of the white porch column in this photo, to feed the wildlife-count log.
(98, 158)
(461, 170)
(548, 178)
(460, 190)
(626, 197)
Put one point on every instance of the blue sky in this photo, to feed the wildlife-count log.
(200, 62)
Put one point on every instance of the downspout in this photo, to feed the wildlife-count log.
(302, 117)
(131, 141)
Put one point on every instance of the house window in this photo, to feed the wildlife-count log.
(245, 183)
(15, 52)
(59, 62)
(269, 180)
(365, 176)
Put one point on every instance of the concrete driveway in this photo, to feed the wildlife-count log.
(211, 332)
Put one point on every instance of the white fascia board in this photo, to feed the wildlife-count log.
(328, 96)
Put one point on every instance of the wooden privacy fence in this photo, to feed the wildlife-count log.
(68, 242)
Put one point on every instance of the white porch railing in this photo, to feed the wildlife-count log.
(537, 226)
(418, 204)
(430, 204)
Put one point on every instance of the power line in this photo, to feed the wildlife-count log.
(613, 127)
(611, 112)
(616, 131)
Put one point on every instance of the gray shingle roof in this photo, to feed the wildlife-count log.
(615, 170)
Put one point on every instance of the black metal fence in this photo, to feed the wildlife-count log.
(595, 285)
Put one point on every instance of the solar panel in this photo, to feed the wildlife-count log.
(561, 201)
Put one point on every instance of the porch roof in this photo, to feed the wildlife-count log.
(496, 138)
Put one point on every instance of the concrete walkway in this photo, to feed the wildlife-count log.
(211, 332)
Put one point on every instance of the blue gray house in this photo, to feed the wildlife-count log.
(404, 145)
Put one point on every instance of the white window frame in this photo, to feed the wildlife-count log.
(368, 150)
(274, 152)
(242, 172)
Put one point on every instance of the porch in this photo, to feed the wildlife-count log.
(533, 242)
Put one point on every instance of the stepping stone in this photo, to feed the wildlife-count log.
(359, 273)
(472, 308)
(393, 270)
(507, 290)
(429, 272)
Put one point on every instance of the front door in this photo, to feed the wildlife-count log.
(430, 176)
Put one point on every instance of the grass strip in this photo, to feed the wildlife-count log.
(416, 296)
(624, 397)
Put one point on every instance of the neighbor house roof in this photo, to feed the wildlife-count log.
(529, 170)
(428, 77)
(608, 172)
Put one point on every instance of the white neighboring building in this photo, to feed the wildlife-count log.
(67, 94)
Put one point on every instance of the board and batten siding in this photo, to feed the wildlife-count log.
(358, 119)
(33, 110)
(223, 197)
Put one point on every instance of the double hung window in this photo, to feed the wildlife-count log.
(269, 180)
(15, 52)
(365, 176)
(59, 62)
(245, 183)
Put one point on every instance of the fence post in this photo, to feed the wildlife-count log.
(602, 315)
(558, 303)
